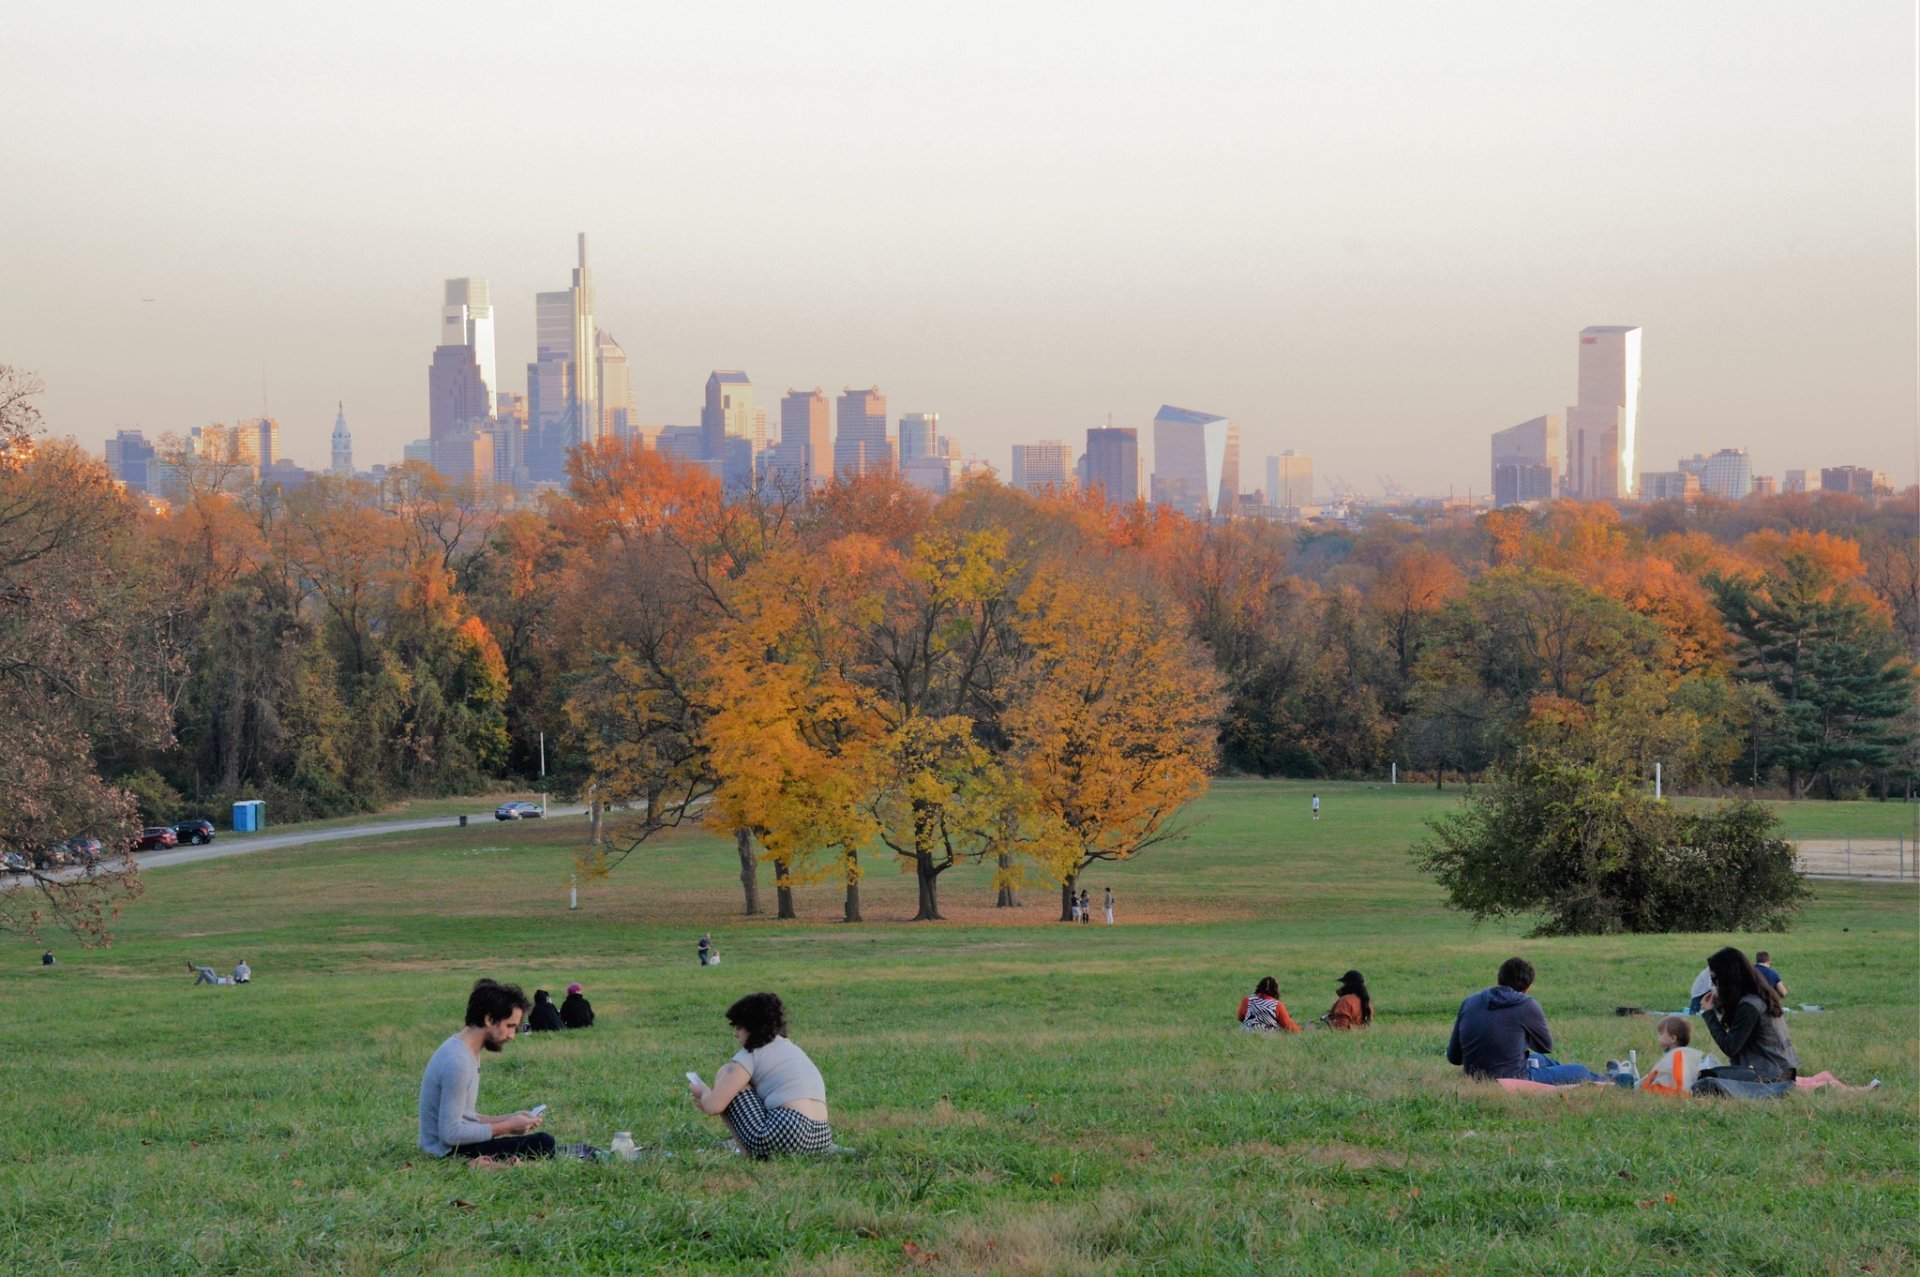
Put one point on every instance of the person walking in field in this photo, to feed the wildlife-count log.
(705, 948)
(450, 1088)
(1109, 906)
(1316, 806)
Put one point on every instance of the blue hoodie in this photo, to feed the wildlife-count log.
(1494, 1031)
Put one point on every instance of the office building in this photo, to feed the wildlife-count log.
(1859, 481)
(1801, 481)
(1190, 460)
(1765, 485)
(932, 473)
(1727, 474)
(466, 319)
(510, 440)
(467, 459)
(682, 443)
(806, 432)
(1668, 485)
(1526, 461)
(420, 450)
(1603, 427)
(563, 401)
(919, 436)
(1112, 463)
(1041, 467)
(860, 444)
(1289, 482)
(342, 444)
(732, 432)
(615, 379)
(129, 457)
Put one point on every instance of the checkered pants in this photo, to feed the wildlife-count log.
(763, 1132)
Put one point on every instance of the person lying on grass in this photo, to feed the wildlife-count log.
(1744, 1015)
(450, 1088)
(770, 1094)
(1680, 1064)
(1500, 1032)
(1263, 1012)
(1353, 1007)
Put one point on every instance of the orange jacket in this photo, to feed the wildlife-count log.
(1279, 1013)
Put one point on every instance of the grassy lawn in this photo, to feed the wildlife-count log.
(1020, 1096)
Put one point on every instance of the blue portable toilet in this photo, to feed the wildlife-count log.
(259, 806)
(242, 817)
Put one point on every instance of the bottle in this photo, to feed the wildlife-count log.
(623, 1146)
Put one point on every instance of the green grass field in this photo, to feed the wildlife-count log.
(1021, 1096)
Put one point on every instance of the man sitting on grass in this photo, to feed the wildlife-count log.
(1502, 1033)
(450, 1089)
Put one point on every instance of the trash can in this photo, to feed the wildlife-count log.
(463, 822)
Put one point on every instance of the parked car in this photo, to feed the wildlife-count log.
(197, 832)
(81, 850)
(15, 862)
(155, 838)
(518, 811)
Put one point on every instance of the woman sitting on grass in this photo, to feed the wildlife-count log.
(1353, 1008)
(770, 1094)
(1264, 1012)
(1743, 1013)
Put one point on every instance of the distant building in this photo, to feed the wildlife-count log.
(256, 440)
(563, 399)
(342, 444)
(1602, 428)
(466, 460)
(1112, 462)
(1858, 481)
(860, 445)
(1801, 481)
(934, 474)
(806, 435)
(682, 443)
(1765, 485)
(457, 400)
(617, 419)
(919, 436)
(1190, 460)
(1727, 474)
(1289, 481)
(1043, 466)
(466, 319)
(510, 440)
(286, 474)
(420, 450)
(1526, 461)
(730, 431)
(1668, 485)
(129, 456)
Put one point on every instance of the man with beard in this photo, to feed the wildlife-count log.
(450, 1089)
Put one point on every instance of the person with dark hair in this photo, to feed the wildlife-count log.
(1263, 1011)
(1763, 963)
(770, 1094)
(1743, 1013)
(46, 959)
(1500, 1032)
(450, 1088)
(576, 1012)
(1352, 1006)
(545, 1017)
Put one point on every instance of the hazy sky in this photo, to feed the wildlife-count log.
(1369, 231)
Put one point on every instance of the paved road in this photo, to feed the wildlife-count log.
(241, 844)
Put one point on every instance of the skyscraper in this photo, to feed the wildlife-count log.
(806, 435)
(1727, 474)
(1227, 502)
(342, 445)
(1603, 427)
(861, 445)
(1189, 460)
(129, 457)
(456, 395)
(467, 320)
(1113, 462)
(1526, 461)
(1289, 481)
(615, 377)
(1043, 466)
(919, 436)
(510, 440)
(563, 401)
(732, 434)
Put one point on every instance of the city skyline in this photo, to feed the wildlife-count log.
(1756, 221)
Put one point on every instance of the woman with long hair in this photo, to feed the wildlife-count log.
(770, 1094)
(1263, 1011)
(1353, 1007)
(1744, 1015)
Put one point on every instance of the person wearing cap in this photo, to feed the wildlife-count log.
(1353, 1007)
(576, 1012)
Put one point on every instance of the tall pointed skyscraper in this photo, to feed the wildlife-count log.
(467, 320)
(342, 445)
(563, 383)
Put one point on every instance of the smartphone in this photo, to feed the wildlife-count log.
(537, 1110)
(695, 1079)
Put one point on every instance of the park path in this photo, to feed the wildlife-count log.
(240, 844)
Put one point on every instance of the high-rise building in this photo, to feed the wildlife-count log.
(861, 446)
(1289, 481)
(457, 401)
(682, 443)
(617, 418)
(256, 441)
(732, 433)
(342, 444)
(1668, 485)
(1859, 481)
(919, 436)
(466, 319)
(932, 473)
(1603, 427)
(1113, 462)
(806, 432)
(129, 457)
(1727, 474)
(1043, 466)
(1227, 500)
(1526, 461)
(563, 400)
(1189, 460)
(1765, 485)
(1801, 481)
(510, 440)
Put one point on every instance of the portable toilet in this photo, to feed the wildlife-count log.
(242, 817)
(259, 814)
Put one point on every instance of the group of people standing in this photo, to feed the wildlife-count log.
(1080, 907)
(1501, 1033)
(1262, 1011)
(770, 1095)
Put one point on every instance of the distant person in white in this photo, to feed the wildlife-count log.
(1109, 906)
(242, 973)
(450, 1088)
(1316, 806)
(770, 1094)
(207, 975)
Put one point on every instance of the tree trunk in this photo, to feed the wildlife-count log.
(596, 812)
(749, 870)
(783, 890)
(853, 888)
(923, 866)
(1066, 897)
(1439, 778)
(1006, 899)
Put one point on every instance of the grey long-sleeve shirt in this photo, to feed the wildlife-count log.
(449, 1100)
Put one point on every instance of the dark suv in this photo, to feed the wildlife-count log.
(197, 832)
